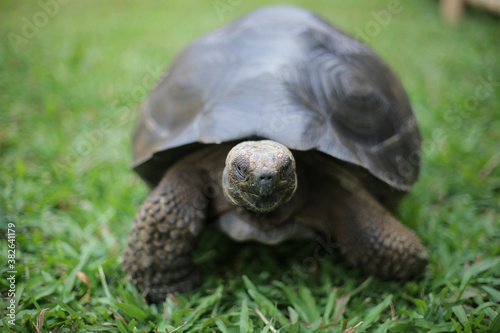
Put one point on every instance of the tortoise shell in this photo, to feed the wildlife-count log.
(281, 73)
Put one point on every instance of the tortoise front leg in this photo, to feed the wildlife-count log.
(164, 234)
(372, 239)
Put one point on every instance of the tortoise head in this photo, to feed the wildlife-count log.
(259, 175)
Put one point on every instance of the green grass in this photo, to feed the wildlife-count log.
(68, 99)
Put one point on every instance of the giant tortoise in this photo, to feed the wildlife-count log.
(276, 126)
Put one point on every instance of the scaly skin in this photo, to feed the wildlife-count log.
(164, 234)
(372, 239)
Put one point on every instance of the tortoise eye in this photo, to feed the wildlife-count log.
(239, 171)
(286, 169)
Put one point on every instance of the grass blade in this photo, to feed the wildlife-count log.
(294, 316)
(221, 326)
(132, 310)
(263, 303)
(495, 294)
(374, 314)
(460, 313)
(244, 317)
(340, 305)
(329, 305)
(309, 303)
(495, 324)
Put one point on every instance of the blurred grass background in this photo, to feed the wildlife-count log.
(72, 75)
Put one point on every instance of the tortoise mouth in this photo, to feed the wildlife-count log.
(268, 203)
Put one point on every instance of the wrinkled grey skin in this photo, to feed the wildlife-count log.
(259, 176)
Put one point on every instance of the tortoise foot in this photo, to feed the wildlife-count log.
(179, 282)
(390, 251)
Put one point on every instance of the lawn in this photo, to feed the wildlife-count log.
(72, 75)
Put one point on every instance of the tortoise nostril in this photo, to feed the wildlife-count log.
(266, 177)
